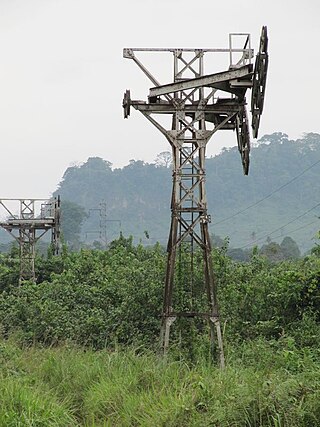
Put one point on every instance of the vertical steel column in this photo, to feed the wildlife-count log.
(27, 240)
(189, 218)
(188, 213)
(55, 230)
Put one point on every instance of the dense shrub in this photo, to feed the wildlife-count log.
(104, 298)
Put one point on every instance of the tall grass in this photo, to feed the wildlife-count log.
(264, 384)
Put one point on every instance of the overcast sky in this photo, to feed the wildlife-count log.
(62, 77)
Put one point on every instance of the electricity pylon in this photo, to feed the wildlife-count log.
(199, 105)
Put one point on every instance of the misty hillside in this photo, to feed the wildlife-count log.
(279, 197)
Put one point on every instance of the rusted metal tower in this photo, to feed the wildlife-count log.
(35, 218)
(199, 105)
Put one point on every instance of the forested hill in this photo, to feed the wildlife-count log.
(279, 197)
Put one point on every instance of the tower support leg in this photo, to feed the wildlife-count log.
(165, 333)
(189, 223)
(167, 318)
(214, 321)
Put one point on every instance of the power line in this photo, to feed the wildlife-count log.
(278, 229)
(269, 195)
(297, 229)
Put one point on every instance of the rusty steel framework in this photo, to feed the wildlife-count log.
(199, 105)
(28, 227)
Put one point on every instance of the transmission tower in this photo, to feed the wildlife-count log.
(29, 226)
(199, 105)
(102, 232)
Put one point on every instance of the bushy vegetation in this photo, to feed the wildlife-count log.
(103, 298)
(80, 346)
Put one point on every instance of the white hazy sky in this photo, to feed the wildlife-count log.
(62, 77)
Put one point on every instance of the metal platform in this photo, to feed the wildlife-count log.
(29, 225)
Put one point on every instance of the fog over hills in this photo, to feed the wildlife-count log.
(280, 197)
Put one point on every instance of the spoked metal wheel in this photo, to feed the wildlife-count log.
(243, 138)
(259, 82)
(126, 104)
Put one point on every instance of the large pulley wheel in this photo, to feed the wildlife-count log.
(259, 81)
(126, 103)
(243, 137)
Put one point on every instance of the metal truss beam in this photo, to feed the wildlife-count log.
(230, 76)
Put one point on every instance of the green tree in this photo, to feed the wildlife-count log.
(316, 249)
(272, 251)
(164, 159)
(290, 248)
(72, 217)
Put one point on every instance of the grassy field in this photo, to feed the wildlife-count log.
(264, 384)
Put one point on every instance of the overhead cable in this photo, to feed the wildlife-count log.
(279, 228)
(269, 195)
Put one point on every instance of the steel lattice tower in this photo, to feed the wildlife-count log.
(28, 227)
(199, 105)
(102, 232)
